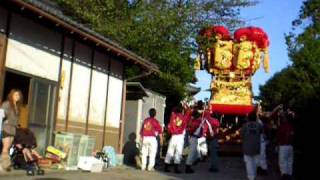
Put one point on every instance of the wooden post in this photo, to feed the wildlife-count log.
(3, 53)
(2, 63)
(57, 100)
(70, 83)
(106, 105)
(89, 97)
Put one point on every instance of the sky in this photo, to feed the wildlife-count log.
(275, 18)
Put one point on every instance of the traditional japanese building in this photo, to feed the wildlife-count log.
(72, 78)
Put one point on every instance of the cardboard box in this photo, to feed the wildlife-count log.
(45, 163)
(56, 152)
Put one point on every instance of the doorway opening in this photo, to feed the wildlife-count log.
(37, 112)
(21, 82)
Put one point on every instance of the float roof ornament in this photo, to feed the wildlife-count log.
(233, 62)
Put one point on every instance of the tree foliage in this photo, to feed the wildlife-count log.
(298, 85)
(160, 30)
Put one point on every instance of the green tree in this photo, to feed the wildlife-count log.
(299, 84)
(160, 30)
(304, 48)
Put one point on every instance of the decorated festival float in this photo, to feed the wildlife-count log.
(232, 62)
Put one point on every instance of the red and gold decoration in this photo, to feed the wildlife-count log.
(228, 135)
(178, 122)
(233, 62)
(148, 126)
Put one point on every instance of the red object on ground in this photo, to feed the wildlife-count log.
(228, 109)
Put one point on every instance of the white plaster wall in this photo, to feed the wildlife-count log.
(33, 48)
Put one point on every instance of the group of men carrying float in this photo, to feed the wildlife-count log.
(232, 62)
(195, 122)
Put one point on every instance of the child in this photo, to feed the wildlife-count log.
(149, 131)
(25, 141)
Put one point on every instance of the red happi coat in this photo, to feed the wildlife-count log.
(150, 127)
(193, 126)
(178, 122)
(206, 121)
(212, 123)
